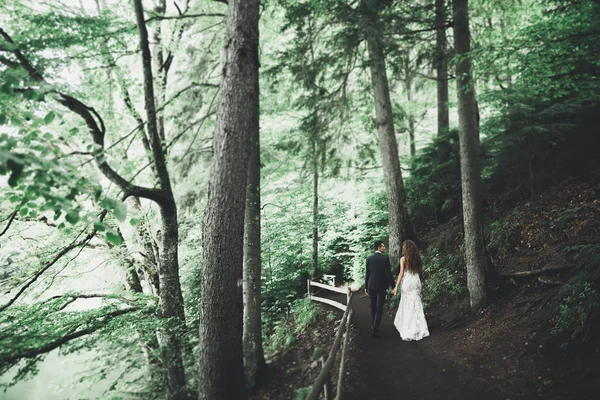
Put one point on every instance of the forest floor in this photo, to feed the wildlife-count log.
(507, 351)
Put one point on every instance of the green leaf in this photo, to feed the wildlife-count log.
(23, 211)
(2, 119)
(134, 221)
(99, 226)
(120, 210)
(114, 238)
(49, 118)
(108, 203)
(72, 217)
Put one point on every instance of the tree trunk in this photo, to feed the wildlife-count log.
(254, 360)
(150, 348)
(171, 299)
(221, 370)
(151, 254)
(159, 67)
(441, 67)
(315, 213)
(469, 159)
(388, 148)
(411, 117)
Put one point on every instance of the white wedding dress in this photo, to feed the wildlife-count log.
(410, 318)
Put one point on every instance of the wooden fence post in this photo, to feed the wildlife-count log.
(327, 386)
(308, 288)
(340, 382)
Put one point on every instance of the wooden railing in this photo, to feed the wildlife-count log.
(343, 290)
(323, 382)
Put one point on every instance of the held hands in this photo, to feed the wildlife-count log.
(395, 291)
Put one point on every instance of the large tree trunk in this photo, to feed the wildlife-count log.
(254, 361)
(171, 299)
(388, 148)
(315, 211)
(469, 159)
(441, 67)
(221, 370)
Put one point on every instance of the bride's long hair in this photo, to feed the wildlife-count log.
(412, 259)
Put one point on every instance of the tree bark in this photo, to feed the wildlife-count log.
(254, 360)
(221, 370)
(132, 279)
(315, 211)
(441, 67)
(171, 299)
(150, 265)
(469, 159)
(411, 117)
(159, 67)
(388, 148)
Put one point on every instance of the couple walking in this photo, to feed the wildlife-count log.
(410, 318)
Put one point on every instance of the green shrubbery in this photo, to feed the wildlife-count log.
(580, 305)
(302, 313)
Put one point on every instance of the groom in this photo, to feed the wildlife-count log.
(378, 280)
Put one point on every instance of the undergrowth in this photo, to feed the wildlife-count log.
(580, 303)
(302, 313)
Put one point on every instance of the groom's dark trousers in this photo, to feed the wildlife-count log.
(378, 279)
(377, 300)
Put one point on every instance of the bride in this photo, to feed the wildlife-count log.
(410, 318)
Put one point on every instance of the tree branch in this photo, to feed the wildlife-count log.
(60, 254)
(9, 63)
(184, 16)
(73, 297)
(96, 127)
(74, 334)
(10, 221)
(33, 73)
(537, 271)
(89, 115)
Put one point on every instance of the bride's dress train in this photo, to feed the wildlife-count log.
(410, 318)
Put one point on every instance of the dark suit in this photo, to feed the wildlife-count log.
(377, 281)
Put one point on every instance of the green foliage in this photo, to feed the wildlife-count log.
(302, 393)
(290, 340)
(433, 187)
(30, 331)
(351, 232)
(395, 300)
(317, 352)
(579, 310)
(543, 121)
(305, 311)
(441, 275)
(277, 339)
(503, 233)
(576, 312)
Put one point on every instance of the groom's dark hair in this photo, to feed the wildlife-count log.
(377, 244)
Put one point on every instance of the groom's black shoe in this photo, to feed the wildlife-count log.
(376, 333)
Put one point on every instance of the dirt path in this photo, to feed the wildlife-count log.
(389, 368)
